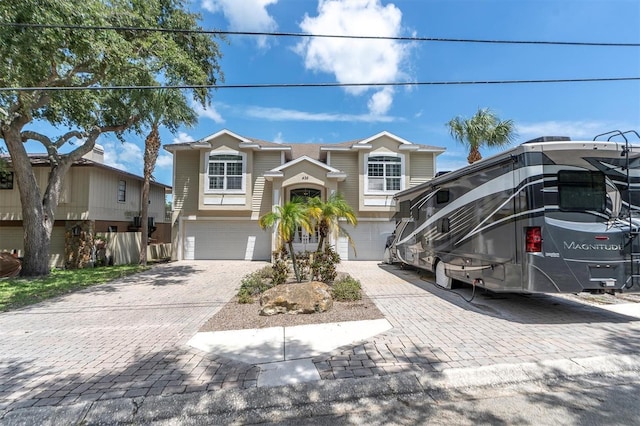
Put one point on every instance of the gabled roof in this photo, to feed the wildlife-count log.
(42, 160)
(329, 169)
(311, 150)
(244, 142)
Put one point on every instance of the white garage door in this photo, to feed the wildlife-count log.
(233, 240)
(369, 239)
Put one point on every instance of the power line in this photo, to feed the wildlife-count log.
(307, 35)
(311, 85)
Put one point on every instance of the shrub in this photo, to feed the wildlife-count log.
(323, 267)
(252, 285)
(303, 261)
(280, 269)
(346, 289)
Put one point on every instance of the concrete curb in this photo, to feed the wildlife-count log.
(228, 404)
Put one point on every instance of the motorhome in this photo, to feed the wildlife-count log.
(552, 215)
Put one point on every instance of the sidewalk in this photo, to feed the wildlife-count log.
(339, 399)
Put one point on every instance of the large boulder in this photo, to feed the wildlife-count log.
(301, 298)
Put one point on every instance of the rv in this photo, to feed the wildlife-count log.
(551, 215)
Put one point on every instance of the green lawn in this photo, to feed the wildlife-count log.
(18, 292)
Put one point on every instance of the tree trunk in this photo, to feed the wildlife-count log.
(36, 224)
(38, 209)
(151, 149)
(474, 155)
(293, 260)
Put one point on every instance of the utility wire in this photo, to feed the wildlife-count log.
(299, 85)
(292, 34)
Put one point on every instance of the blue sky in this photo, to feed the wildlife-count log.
(418, 113)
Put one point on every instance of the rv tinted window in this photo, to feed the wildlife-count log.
(581, 190)
(442, 196)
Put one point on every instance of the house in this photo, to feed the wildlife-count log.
(223, 183)
(95, 199)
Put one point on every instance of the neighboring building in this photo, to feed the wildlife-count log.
(224, 182)
(95, 199)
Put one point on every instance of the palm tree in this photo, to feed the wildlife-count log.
(287, 219)
(327, 214)
(484, 128)
(168, 108)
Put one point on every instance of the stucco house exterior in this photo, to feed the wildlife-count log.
(224, 182)
(95, 199)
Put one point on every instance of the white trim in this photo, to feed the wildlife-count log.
(402, 176)
(387, 201)
(222, 200)
(304, 158)
(384, 133)
(214, 153)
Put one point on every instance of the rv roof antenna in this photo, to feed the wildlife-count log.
(615, 133)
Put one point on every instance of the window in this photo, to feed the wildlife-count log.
(225, 172)
(6, 180)
(581, 190)
(442, 196)
(112, 228)
(384, 173)
(122, 191)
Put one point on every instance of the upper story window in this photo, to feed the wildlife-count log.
(122, 191)
(225, 172)
(384, 173)
(6, 180)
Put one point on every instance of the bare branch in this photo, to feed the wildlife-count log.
(67, 136)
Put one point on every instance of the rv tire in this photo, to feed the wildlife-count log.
(442, 279)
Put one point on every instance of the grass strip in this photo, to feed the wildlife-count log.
(18, 292)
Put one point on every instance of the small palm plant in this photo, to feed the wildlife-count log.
(327, 214)
(287, 219)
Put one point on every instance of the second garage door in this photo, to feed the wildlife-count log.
(369, 239)
(230, 240)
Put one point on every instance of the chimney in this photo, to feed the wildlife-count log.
(97, 154)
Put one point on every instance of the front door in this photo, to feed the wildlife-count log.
(303, 240)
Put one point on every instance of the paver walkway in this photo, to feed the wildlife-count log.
(128, 338)
(123, 339)
(435, 329)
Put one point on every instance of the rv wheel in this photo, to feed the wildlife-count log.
(441, 275)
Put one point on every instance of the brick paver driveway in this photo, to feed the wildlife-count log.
(120, 339)
(127, 338)
(435, 329)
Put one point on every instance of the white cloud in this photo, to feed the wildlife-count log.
(381, 101)
(281, 114)
(183, 137)
(245, 15)
(209, 112)
(130, 153)
(164, 161)
(111, 156)
(574, 129)
(357, 60)
(278, 138)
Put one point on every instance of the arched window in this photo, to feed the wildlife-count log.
(225, 172)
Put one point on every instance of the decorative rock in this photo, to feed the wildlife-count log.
(300, 298)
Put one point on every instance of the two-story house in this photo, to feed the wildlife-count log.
(223, 183)
(95, 199)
